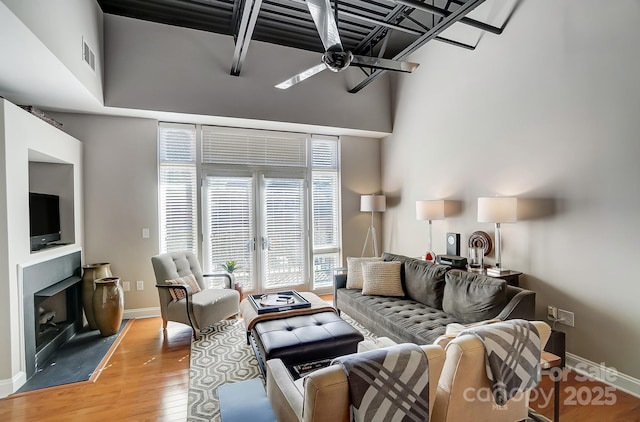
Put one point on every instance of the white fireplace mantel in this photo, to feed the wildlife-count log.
(23, 139)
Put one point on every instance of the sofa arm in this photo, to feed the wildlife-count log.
(286, 399)
(522, 304)
(339, 282)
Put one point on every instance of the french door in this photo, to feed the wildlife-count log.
(258, 219)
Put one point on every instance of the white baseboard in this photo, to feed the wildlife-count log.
(9, 386)
(609, 376)
(141, 313)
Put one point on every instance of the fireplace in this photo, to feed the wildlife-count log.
(54, 286)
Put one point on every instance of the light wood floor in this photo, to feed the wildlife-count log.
(147, 379)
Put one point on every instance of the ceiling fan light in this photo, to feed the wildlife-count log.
(337, 61)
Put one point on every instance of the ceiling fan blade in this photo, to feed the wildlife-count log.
(302, 76)
(386, 64)
(325, 23)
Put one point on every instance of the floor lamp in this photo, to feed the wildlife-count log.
(372, 203)
(430, 210)
(497, 210)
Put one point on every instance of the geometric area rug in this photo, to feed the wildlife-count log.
(221, 356)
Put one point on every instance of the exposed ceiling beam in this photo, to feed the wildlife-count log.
(392, 16)
(444, 12)
(374, 21)
(446, 22)
(243, 37)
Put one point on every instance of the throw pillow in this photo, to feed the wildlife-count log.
(424, 282)
(354, 271)
(188, 280)
(382, 278)
(472, 297)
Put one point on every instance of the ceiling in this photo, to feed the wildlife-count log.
(31, 74)
(390, 29)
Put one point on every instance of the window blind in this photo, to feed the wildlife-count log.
(325, 210)
(253, 147)
(178, 196)
(230, 225)
(284, 232)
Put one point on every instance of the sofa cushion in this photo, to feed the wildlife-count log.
(354, 271)
(382, 278)
(424, 282)
(472, 297)
(401, 319)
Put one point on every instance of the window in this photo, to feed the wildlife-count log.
(326, 210)
(177, 187)
(270, 201)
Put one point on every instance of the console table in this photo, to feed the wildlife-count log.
(511, 277)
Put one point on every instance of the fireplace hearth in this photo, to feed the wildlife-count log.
(52, 285)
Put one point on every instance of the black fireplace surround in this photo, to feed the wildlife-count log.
(40, 282)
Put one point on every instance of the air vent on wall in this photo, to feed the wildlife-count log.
(88, 55)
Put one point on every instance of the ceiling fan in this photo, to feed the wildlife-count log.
(335, 57)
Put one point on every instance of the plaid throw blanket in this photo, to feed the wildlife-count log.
(512, 356)
(388, 384)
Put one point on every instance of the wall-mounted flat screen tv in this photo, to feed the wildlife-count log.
(44, 219)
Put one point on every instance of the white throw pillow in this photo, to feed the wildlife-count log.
(354, 271)
(382, 278)
(189, 280)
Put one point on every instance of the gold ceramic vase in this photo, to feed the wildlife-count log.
(91, 273)
(108, 305)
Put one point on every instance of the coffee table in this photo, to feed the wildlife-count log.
(299, 336)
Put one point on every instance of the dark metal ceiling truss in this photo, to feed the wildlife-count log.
(248, 17)
(450, 19)
(375, 28)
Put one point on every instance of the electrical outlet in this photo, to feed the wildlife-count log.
(126, 286)
(566, 317)
(552, 313)
(139, 285)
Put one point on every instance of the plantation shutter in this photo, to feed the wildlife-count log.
(178, 196)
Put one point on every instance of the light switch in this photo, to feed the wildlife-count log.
(145, 233)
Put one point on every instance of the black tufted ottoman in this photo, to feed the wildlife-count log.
(304, 338)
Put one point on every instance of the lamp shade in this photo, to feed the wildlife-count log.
(430, 210)
(497, 210)
(370, 203)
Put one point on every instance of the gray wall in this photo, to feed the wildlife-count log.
(360, 176)
(121, 195)
(546, 112)
(152, 66)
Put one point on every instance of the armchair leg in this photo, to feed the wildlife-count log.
(164, 324)
(196, 334)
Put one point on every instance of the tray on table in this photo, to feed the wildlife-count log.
(279, 301)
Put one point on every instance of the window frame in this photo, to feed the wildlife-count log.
(203, 170)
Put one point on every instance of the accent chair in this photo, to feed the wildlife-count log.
(198, 310)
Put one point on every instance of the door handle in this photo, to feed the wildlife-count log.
(266, 243)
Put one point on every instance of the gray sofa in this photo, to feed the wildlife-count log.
(435, 295)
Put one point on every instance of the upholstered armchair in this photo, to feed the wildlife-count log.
(464, 392)
(200, 309)
(323, 396)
